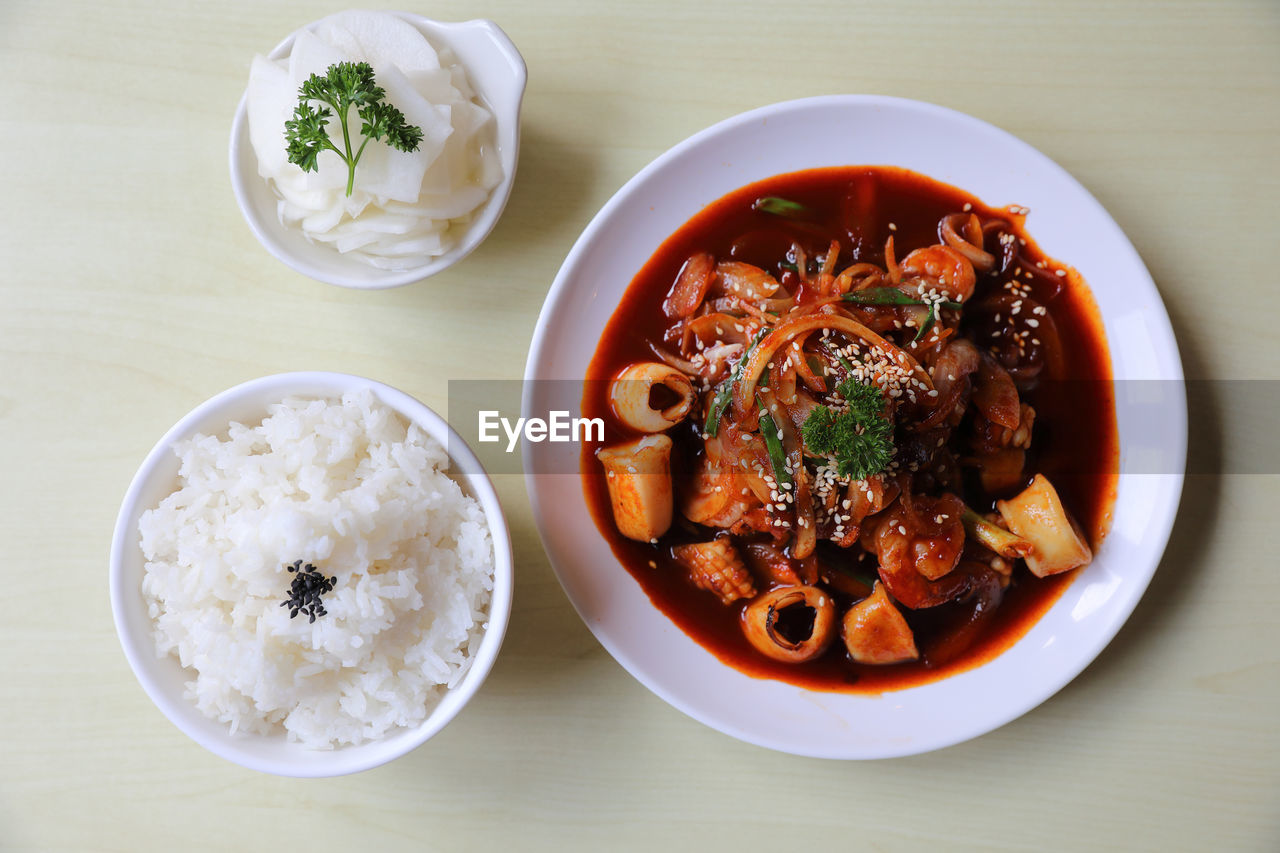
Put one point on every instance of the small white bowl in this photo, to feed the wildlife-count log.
(163, 678)
(497, 73)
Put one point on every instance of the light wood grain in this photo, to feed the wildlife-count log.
(131, 290)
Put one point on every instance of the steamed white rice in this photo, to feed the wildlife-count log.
(348, 487)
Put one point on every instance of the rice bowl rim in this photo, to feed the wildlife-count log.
(163, 678)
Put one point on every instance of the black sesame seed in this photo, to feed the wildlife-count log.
(305, 591)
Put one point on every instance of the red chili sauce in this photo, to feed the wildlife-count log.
(1075, 443)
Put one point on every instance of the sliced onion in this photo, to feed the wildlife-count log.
(744, 394)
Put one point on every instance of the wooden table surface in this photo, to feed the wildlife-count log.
(131, 290)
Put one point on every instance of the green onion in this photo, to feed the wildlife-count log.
(772, 443)
(834, 353)
(994, 536)
(724, 394)
(929, 320)
(888, 296)
(779, 206)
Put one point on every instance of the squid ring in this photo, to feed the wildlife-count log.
(777, 626)
(632, 396)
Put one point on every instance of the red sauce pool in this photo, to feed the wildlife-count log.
(1075, 444)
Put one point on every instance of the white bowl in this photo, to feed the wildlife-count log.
(163, 678)
(497, 73)
(1066, 222)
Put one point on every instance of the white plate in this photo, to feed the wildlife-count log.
(1066, 222)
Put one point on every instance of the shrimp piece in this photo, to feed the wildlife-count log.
(716, 567)
(918, 542)
(942, 268)
(632, 396)
(875, 632)
(638, 475)
(791, 624)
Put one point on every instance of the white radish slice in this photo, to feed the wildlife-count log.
(355, 241)
(339, 38)
(452, 205)
(436, 86)
(380, 223)
(387, 40)
(323, 220)
(426, 245)
(269, 104)
(397, 175)
(310, 56)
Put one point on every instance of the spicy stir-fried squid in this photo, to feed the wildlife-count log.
(838, 410)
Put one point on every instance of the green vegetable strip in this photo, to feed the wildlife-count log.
(929, 320)
(889, 296)
(779, 206)
(994, 536)
(724, 394)
(835, 353)
(772, 443)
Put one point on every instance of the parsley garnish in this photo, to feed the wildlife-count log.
(345, 85)
(858, 438)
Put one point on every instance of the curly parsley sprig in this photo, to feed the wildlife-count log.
(857, 437)
(344, 85)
